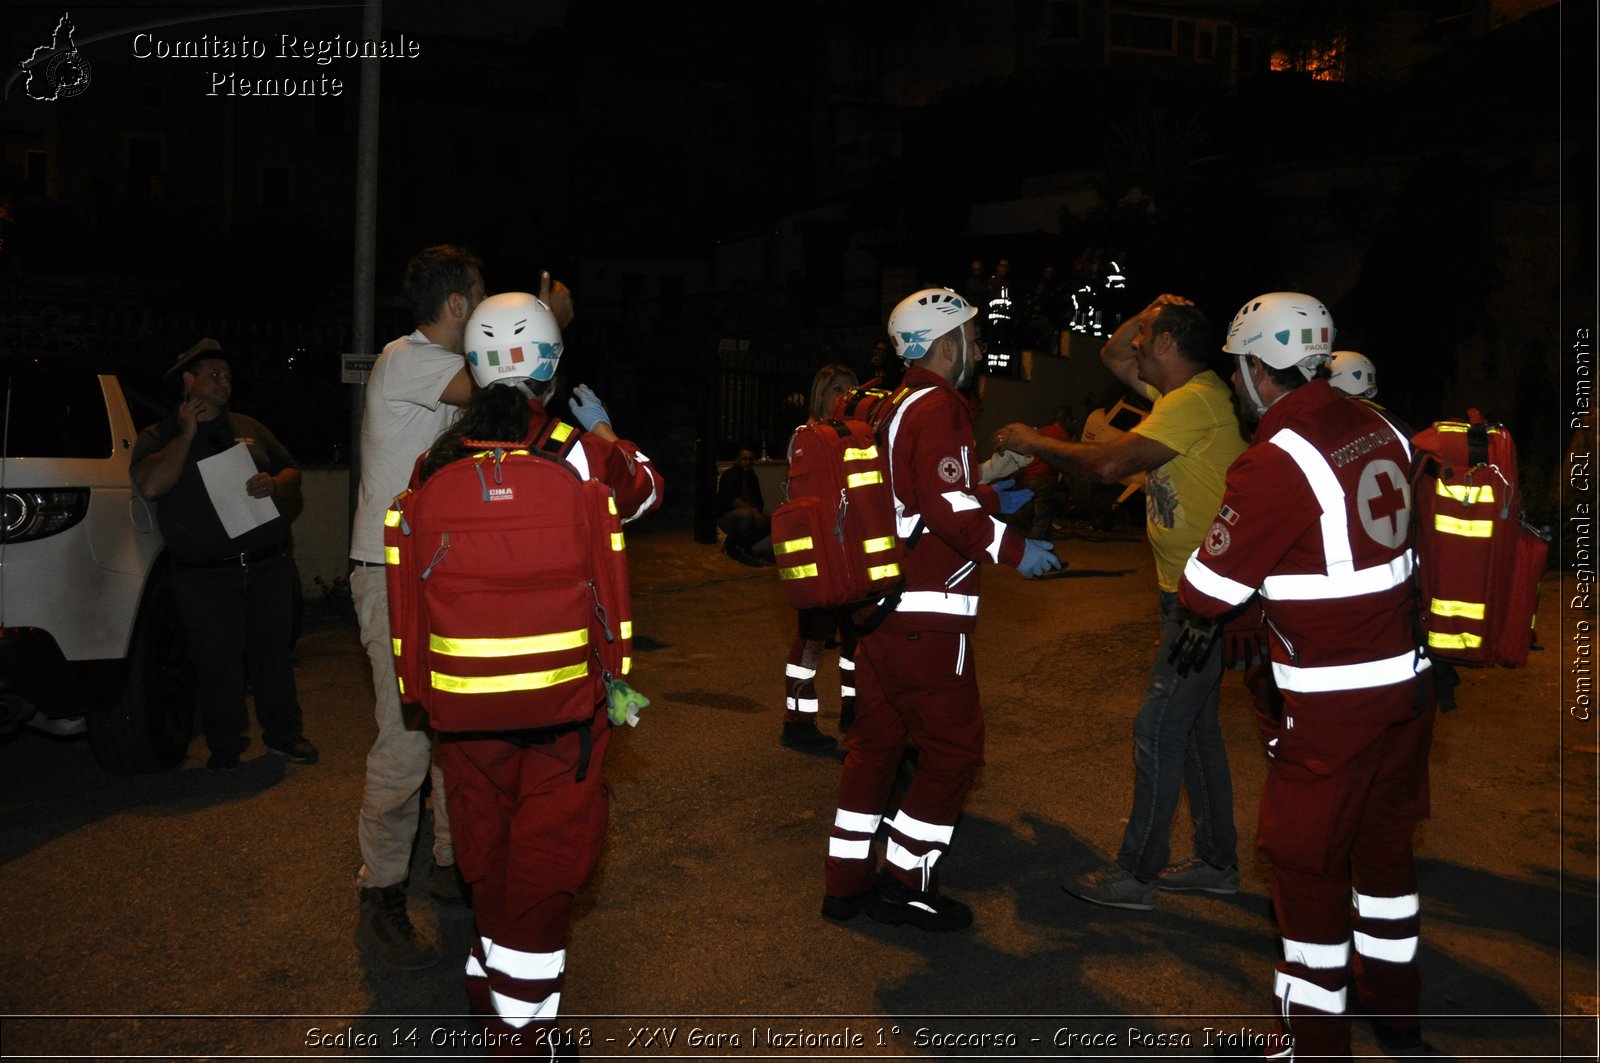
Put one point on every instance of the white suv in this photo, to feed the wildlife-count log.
(89, 635)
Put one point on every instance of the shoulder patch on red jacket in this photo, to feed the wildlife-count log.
(950, 470)
(1218, 539)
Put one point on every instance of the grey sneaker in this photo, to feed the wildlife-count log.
(1196, 874)
(1114, 888)
(385, 929)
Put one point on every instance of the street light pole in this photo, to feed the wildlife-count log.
(364, 286)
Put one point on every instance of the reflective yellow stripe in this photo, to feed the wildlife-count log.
(391, 518)
(853, 454)
(627, 665)
(489, 453)
(878, 546)
(511, 647)
(1457, 426)
(396, 643)
(1463, 641)
(627, 629)
(862, 479)
(802, 543)
(401, 683)
(505, 684)
(391, 555)
(1467, 493)
(616, 541)
(1444, 607)
(1472, 529)
(611, 504)
(798, 572)
(883, 572)
(561, 432)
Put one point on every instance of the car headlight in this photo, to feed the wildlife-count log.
(33, 513)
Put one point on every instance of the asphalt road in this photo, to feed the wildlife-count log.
(188, 915)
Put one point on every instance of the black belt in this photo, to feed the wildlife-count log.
(249, 557)
(356, 562)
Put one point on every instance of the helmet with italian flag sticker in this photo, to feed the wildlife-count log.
(1283, 329)
(512, 337)
(1354, 374)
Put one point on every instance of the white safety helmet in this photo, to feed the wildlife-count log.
(922, 317)
(1354, 374)
(1283, 329)
(512, 337)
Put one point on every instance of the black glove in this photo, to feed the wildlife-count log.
(1192, 644)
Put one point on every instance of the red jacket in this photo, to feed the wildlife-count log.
(620, 465)
(933, 472)
(1316, 517)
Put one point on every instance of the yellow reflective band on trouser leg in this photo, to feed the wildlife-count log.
(798, 572)
(1445, 607)
(1472, 529)
(862, 479)
(507, 684)
(518, 646)
(789, 546)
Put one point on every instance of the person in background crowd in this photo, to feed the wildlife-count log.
(744, 520)
(819, 628)
(235, 592)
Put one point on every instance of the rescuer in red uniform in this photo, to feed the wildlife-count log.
(916, 677)
(529, 814)
(1315, 519)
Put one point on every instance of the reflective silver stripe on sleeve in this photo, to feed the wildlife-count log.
(960, 501)
(993, 549)
(1363, 676)
(1212, 585)
(1330, 498)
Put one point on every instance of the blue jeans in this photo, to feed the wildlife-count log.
(1177, 745)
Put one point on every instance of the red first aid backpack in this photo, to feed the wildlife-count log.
(508, 588)
(1480, 561)
(834, 539)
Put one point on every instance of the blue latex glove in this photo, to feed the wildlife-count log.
(585, 405)
(1011, 498)
(1038, 557)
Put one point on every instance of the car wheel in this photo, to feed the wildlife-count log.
(149, 728)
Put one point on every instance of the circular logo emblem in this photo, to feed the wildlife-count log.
(68, 74)
(1218, 539)
(950, 470)
(1383, 499)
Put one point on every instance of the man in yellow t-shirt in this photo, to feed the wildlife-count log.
(1185, 445)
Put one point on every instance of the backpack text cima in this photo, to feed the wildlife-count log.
(508, 588)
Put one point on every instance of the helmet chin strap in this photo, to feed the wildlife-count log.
(1257, 407)
(964, 377)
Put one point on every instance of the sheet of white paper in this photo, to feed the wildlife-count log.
(224, 476)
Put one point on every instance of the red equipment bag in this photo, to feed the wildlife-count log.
(834, 538)
(508, 588)
(1480, 561)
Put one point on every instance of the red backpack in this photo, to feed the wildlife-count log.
(834, 539)
(508, 588)
(1480, 561)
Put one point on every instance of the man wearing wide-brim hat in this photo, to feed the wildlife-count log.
(235, 593)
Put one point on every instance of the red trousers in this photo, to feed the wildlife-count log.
(917, 689)
(1345, 883)
(817, 627)
(528, 836)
